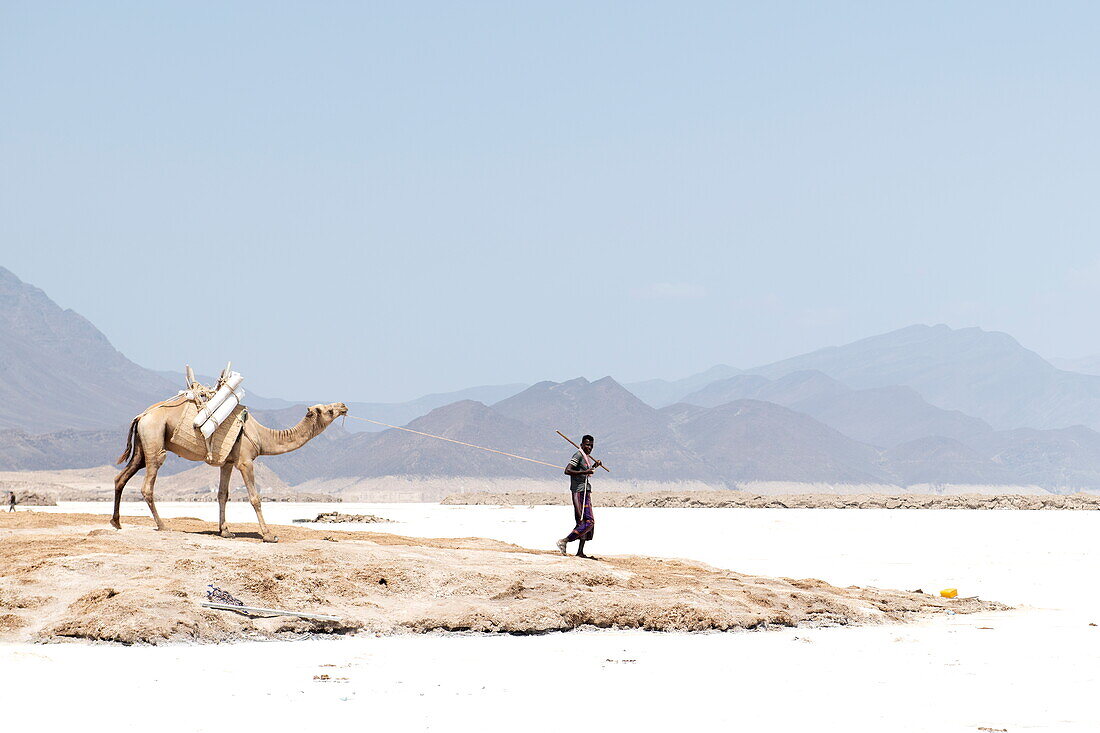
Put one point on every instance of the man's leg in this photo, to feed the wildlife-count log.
(578, 513)
(587, 524)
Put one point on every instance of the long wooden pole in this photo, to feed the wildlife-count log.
(578, 448)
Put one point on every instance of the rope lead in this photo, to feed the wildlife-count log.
(450, 440)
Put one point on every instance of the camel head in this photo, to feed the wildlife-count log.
(326, 414)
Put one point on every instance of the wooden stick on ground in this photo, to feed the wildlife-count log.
(267, 611)
(578, 448)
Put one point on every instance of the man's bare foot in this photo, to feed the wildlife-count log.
(561, 547)
(587, 557)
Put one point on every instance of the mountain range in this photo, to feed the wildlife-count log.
(982, 373)
(883, 416)
(921, 405)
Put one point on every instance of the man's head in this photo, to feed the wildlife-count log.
(586, 443)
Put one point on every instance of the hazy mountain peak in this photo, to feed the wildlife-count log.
(661, 392)
(461, 410)
(755, 440)
(819, 379)
(59, 371)
(28, 311)
(987, 374)
(9, 278)
(787, 390)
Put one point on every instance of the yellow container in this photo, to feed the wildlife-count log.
(949, 592)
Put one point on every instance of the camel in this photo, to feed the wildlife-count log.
(154, 428)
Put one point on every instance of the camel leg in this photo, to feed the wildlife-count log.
(135, 464)
(249, 476)
(152, 465)
(223, 497)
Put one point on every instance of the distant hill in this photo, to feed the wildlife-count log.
(752, 440)
(634, 438)
(882, 416)
(662, 392)
(394, 452)
(939, 460)
(399, 413)
(890, 416)
(1083, 365)
(20, 451)
(749, 440)
(1063, 458)
(744, 440)
(790, 389)
(58, 372)
(985, 374)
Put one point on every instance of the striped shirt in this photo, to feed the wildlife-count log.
(579, 462)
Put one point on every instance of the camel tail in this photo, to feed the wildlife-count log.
(129, 441)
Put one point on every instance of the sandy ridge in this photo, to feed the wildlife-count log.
(67, 576)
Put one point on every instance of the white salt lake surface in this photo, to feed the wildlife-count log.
(1036, 668)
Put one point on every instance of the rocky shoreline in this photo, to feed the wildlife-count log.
(28, 495)
(742, 500)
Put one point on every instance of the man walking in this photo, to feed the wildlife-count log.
(11, 501)
(580, 467)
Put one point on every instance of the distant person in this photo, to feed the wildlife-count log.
(580, 467)
(11, 501)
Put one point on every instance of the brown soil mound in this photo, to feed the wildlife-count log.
(741, 500)
(69, 576)
(339, 518)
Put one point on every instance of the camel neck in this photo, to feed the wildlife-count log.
(274, 442)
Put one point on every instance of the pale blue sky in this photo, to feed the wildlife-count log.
(370, 201)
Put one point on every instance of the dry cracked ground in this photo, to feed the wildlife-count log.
(71, 576)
